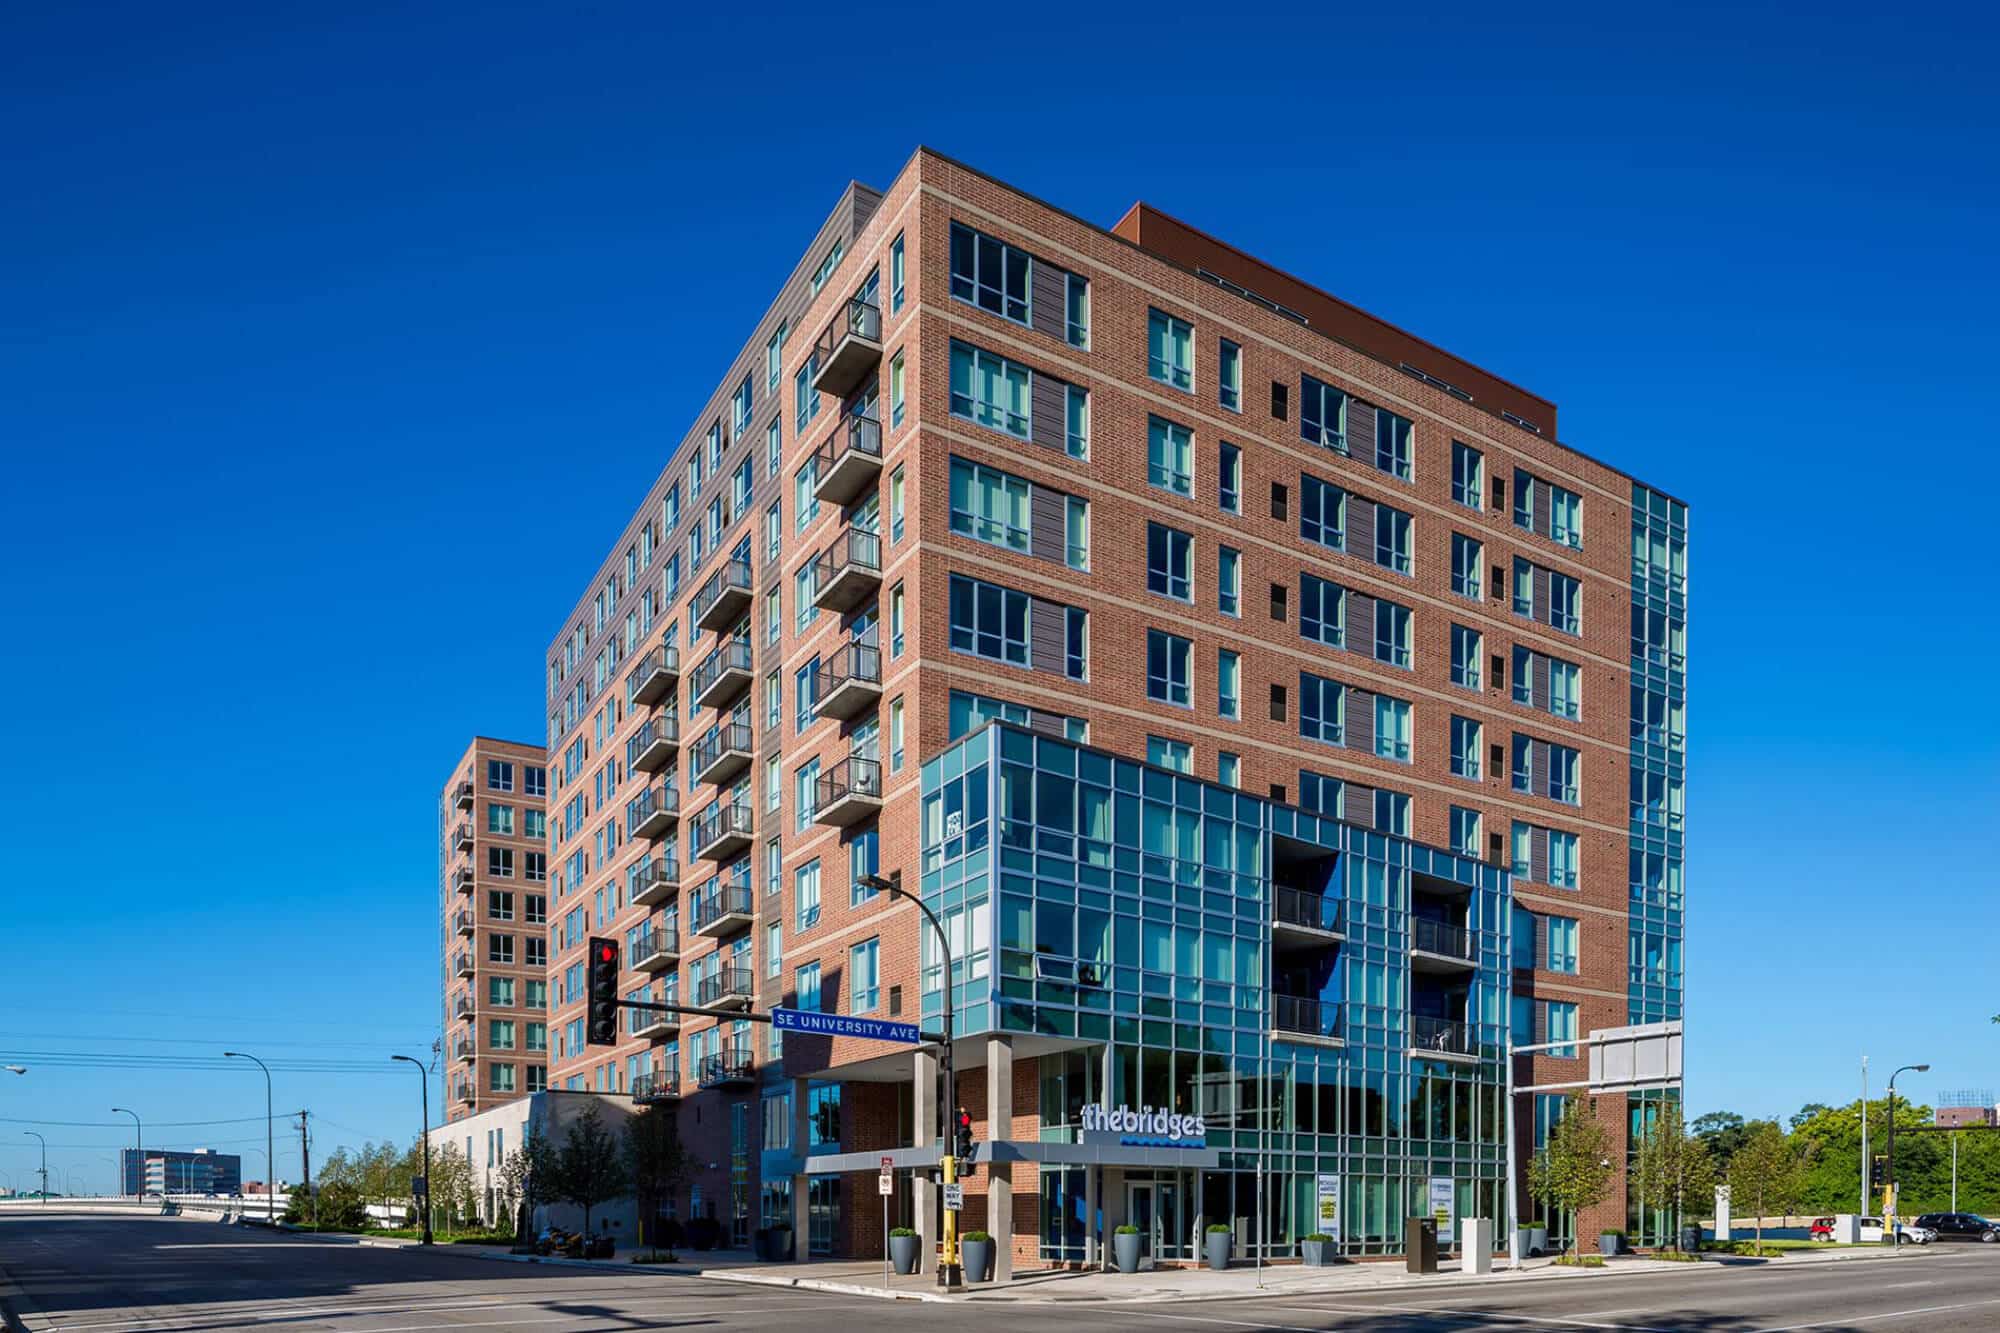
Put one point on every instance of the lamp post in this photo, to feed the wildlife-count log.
(424, 1083)
(1895, 1234)
(950, 1274)
(270, 1197)
(45, 1163)
(138, 1152)
(15, 1069)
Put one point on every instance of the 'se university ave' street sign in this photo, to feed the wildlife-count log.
(839, 1025)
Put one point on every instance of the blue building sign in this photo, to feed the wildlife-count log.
(839, 1025)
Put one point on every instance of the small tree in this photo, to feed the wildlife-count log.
(1768, 1171)
(1672, 1167)
(656, 1162)
(589, 1167)
(1573, 1170)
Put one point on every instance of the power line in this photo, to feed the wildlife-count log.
(119, 1124)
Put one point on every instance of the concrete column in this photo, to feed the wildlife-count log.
(1093, 1249)
(923, 1192)
(1000, 1127)
(801, 1210)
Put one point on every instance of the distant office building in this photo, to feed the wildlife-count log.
(173, 1171)
(1965, 1107)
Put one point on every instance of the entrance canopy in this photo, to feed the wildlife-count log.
(926, 1156)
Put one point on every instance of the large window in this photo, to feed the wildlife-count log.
(1169, 562)
(896, 267)
(1392, 443)
(1228, 683)
(1465, 742)
(1229, 581)
(1169, 456)
(1169, 668)
(1468, 475)
(989, 390)
(1392, 633)
(1466, 647)
(1076, 532)
(805, 404)
(1229, 480)
(1164, 753)
(805, 894)
(1170, 350)
(1468, 564)
(1465, 831)
(1562, 859)
(1323, 611)
(1322, 709)
(1322, 512)
(1076, 421)
(864, 987)
(988, 620)
(1076, 310)
(990, 274)
(1322, 414)
(1392, 728)
(1392, 539)
(1559, 953)
(989, 504)
(1230, 377)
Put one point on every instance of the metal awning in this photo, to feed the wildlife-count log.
(925, 1157)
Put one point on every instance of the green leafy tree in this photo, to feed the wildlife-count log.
(589, 1169)
(1673, 1167)
(1723, 1132)
(656, 1163)
(1807, 1112)
(1573, 1170)
(1768, 1172)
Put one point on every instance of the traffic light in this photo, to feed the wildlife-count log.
(1878, 1171)
(601, 997)
(961, 1146)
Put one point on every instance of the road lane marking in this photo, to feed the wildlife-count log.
(1437, 1311)
(202, 1317)
(1844, 1321)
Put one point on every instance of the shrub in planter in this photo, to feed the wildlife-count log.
(976, 1252)
(903, 1244)
(1611, 1242)
(1218, 1242)
(672, 1233)
(704, 1233)
(1125, 1248)
(1317, 1250)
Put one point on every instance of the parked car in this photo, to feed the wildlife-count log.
(1961, 1226)
(1872, 1232)
(1821, 1229)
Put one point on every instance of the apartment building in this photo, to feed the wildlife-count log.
(1276, 714)
(493, 921)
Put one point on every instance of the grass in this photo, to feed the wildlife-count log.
(1673, 1256)
(656, 1257)
(1770, 1249)
(1580, 1261)
(472, 1236)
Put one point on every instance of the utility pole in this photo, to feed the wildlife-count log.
(305, 1168)
(1954, 1173)
(45, 1165)
(1865, 1163)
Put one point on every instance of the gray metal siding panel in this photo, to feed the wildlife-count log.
(1361, 527)
(1542, 506)
(1048, 532)
(1360, 623)
(1538, 855)
(1360, 730)
(1046, 635)
(1361, 431)
(1544, 597)
(1541, 683)
(1048, 411)
(1357, 803)
(1049, 724)
(1048, 290)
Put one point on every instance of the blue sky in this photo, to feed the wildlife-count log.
(335, 347)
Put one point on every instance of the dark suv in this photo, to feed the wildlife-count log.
(1961, 1226)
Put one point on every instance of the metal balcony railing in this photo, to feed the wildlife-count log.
(732, 1065)
(848, 570)
(848, 460)
(725, 596)
(657, 943)
(653, 811)
(462, 795)
(848, 348)
(725, 985)
(731, 657)
(1442, 938)
(461, 837)
(652, 745)
(850, 790)
(1306, 1016)
(656, 673)
(726, 745)
(1443, 1036)
(850, 679)
(717, 902)
(1307, 910)
(655, 879)
(462, 922)
(658, 1085)
(722, 824)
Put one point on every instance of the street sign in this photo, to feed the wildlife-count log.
(1622, 1059)
(885, 1183)
(1329, 1205)
(840, 1025)
(1444, 1208)
(954, 1195)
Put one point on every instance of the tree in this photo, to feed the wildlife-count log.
(589, 1169)
(1723, 1132)
(656, 1162)
(1572, 1172)
(1673, 1167)
(450, 1181)
(1767, 1171)
(1807, 1112)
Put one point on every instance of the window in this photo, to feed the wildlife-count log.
(1229, 581)
(989, 505)
(740, 409)
(774, 861)
(500, 819)
(805, 505)
(1170, 350)
(1392, 443)
(500, 862)
(500, 992)
(864, 976)
(500, 948)
(1076, 309)
(1229, 769)
(1468, 563)
(774, 783)
(1565, 603)
(1561, 933)
(805, 695)
(1322, 611)
(896, 736)
(1076, 643)
(1322, 709)
(536, 781)
(896, 274)
(1392, 633)
(1318, 793)
(499, 775)
(1468, 474)
(1563, 765)
(1169, 561)
(805, 894)
(499, 905)
(1565, 517)
(864, 860)
(804, 583)
(896, 621)
(1465, 743)
(896, 391)
(774, 445)
(1464, 831)
(806, 981)
(805, 404)
(989, 274)
(1076, 421)
(988, 620)
(1176, 755)
(1392, 812)
(896, 501)
(1322, 512)
(774, 615)
(1559, 1024)
(1322, 414)
(989, 390)
(1392, 539)
(1466, 647)
(774, 357)
(1169, 456)
(500, 1078)
(1229, 479)
(1565, 688)
(500, 1034)
(1541, 506)
(1228, 683)
(1076, 532)
(1562, 859)
(826, 268)
(1564, 606)
(1392, 728)
(1230, 376)
(1169, 668)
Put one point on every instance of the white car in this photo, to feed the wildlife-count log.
(1873, 1232)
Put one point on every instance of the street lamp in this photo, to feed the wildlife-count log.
(45, 1163)
(950, 1275)
(15, 1069)
(270, 1196)
(1895, 1234)
(138, 1153)
(424, 1082)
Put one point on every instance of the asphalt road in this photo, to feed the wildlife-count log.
(124, 1275)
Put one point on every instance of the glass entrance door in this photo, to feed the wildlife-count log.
(1140, 1213)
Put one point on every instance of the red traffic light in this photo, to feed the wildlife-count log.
(607, 953)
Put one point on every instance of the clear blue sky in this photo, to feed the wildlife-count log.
(336, 347)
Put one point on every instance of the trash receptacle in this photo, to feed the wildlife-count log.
(1691, 1240)
(1420, 1244)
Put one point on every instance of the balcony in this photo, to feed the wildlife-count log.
(464, 1049)
(848, 572)
(723, 832)
(462, 922)
(461, 838)
(1307, 1018)
(1440, 947)
(848, 793)
(461, 1008)
(722, 753)
(848, 462)
(723, 674)
(467, 1092)
(461, 795)
(655, 951)
(725, 598)
(461, 880)
(652, 745)
(1442, 1038)
(730, 1069)
(1304, 917)
(653, 811)
(653, 1026)
(725, 990)
(850, 681)
(721, 909)
(655, 881)
(659, 1086)
(655, 675)
(461, 964)
(849, 349)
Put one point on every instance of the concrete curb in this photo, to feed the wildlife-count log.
(838, 1288)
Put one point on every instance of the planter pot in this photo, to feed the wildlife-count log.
(1317, 1253)
(781, 1245)
(1538, 1240)
(1610, 1242)
(977, 1256)
(1217, 1243)
(903, 1253)
(1125, 1251)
